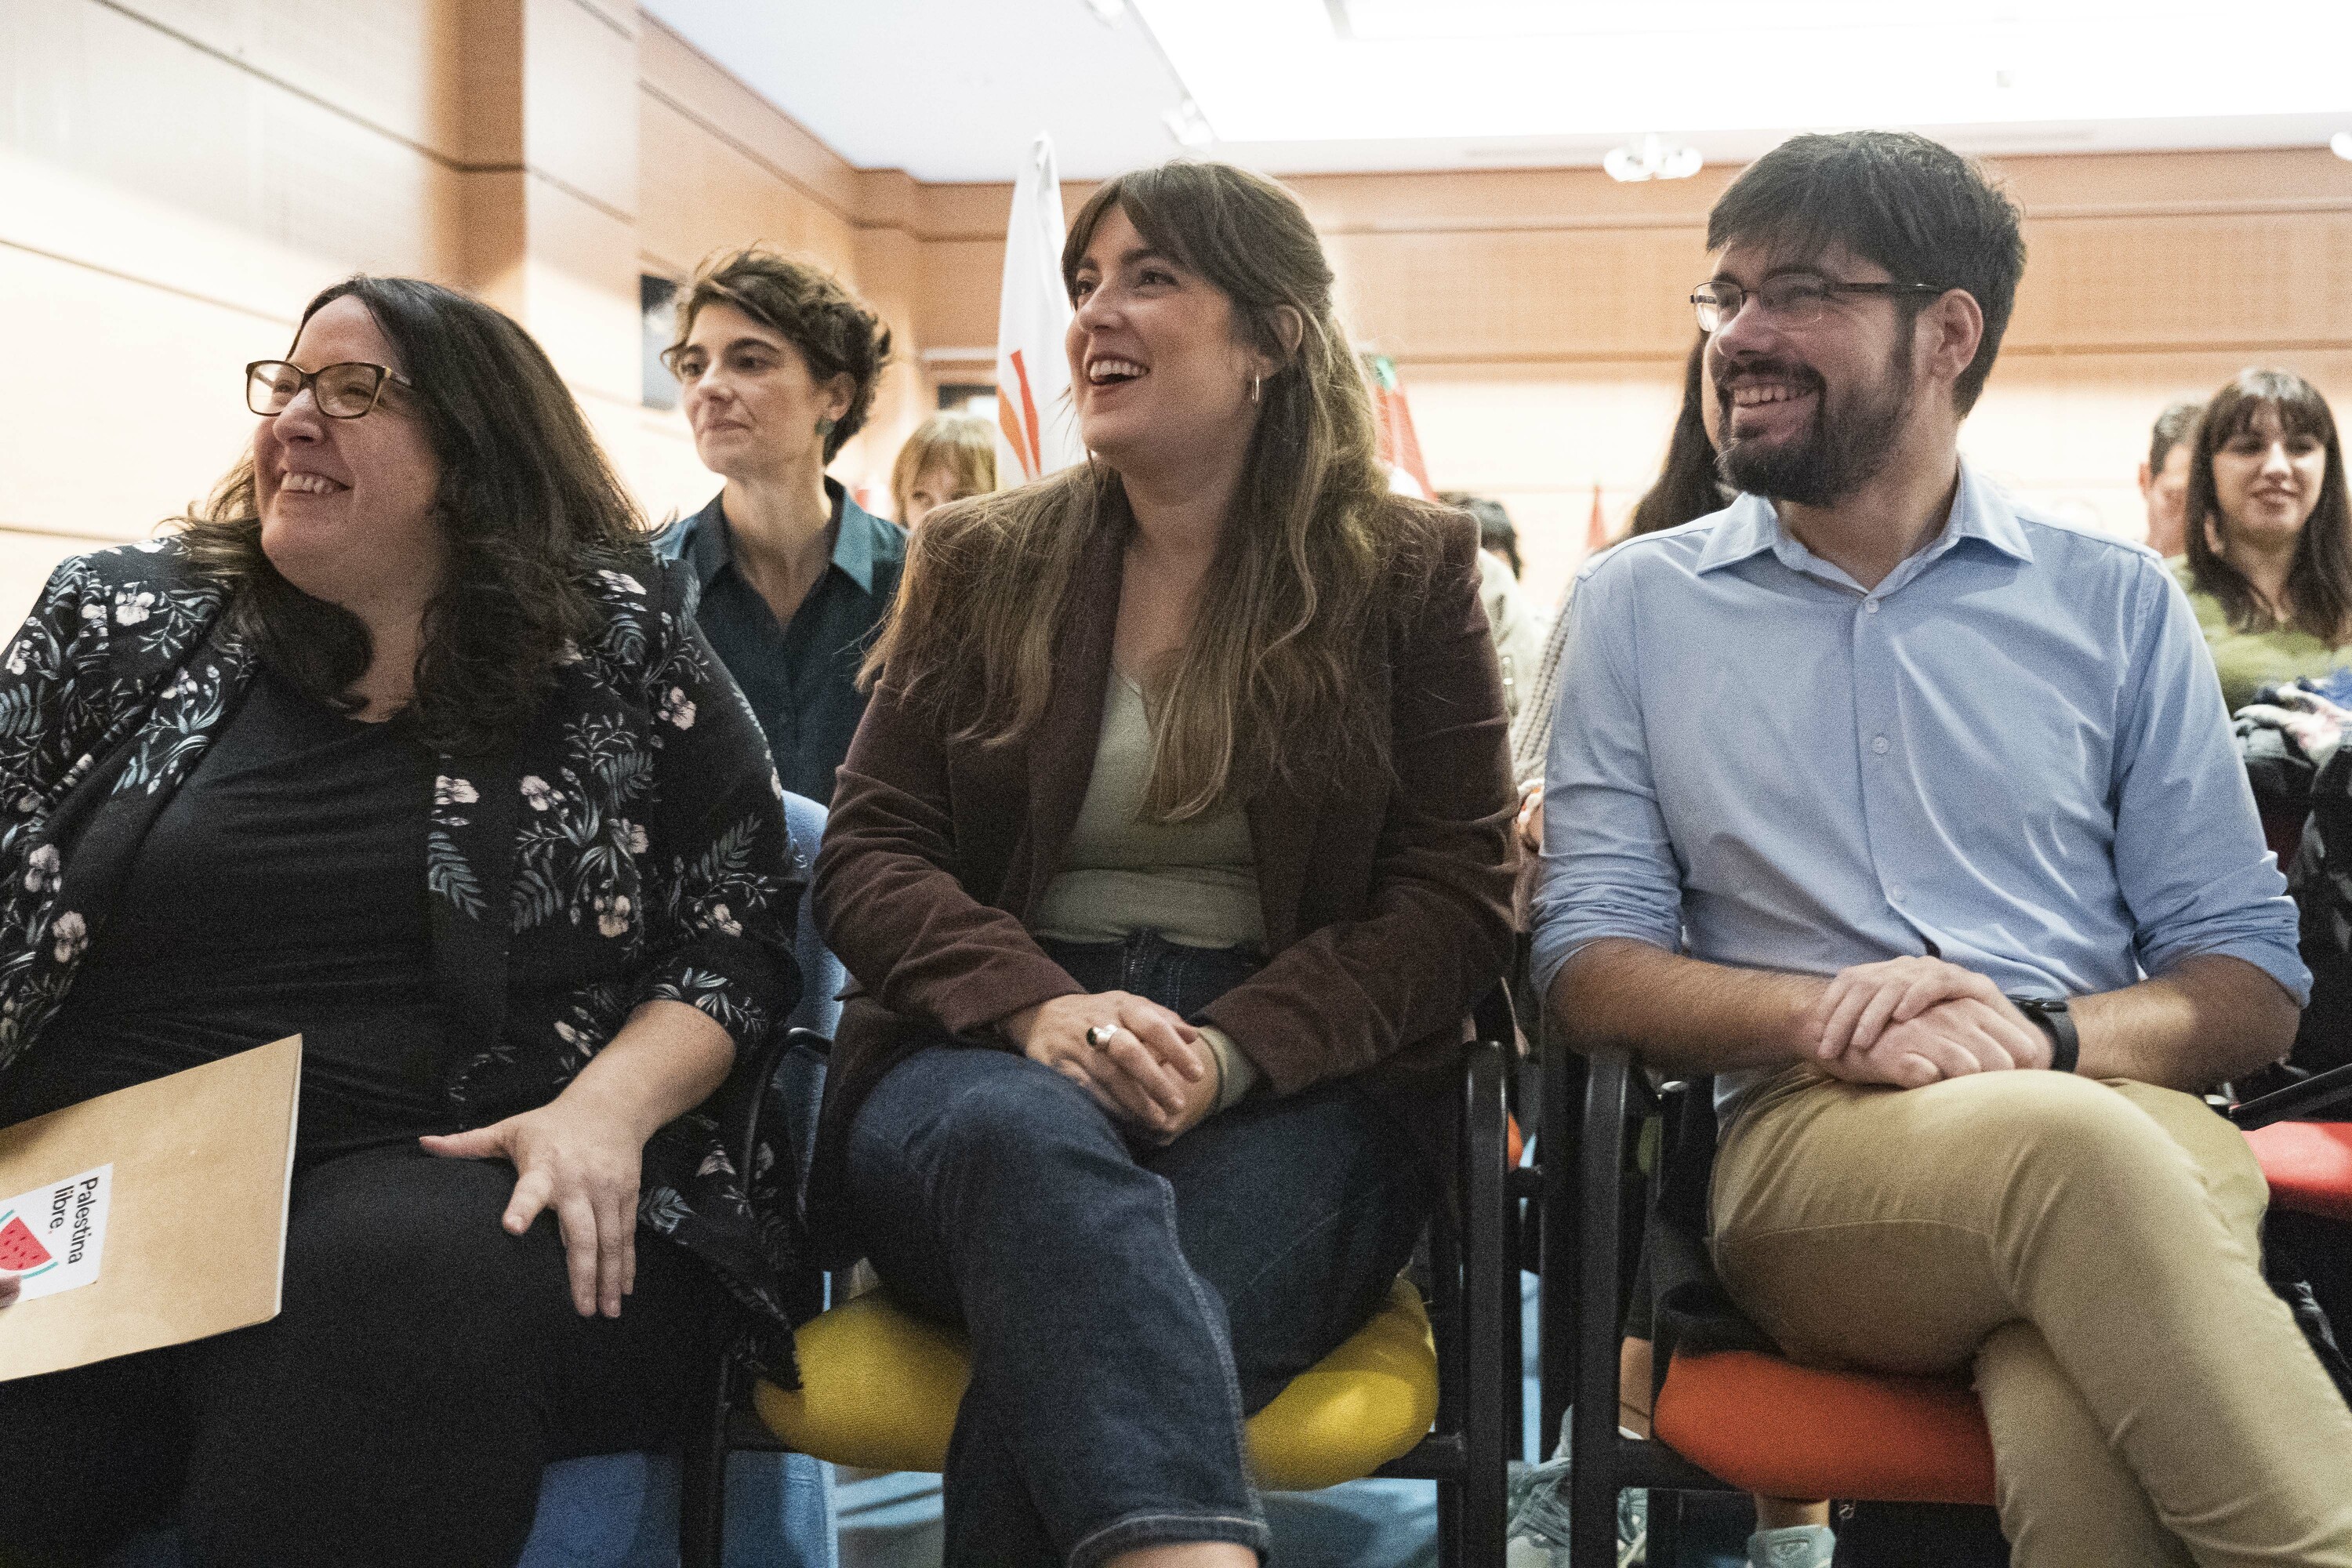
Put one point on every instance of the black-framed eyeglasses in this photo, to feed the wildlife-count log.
(1794, 299)
(343, 391)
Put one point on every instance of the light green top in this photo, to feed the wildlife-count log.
(1194, 882)
(2247, 660)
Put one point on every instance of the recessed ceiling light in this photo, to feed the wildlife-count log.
(2341, 144)
(1651, 160)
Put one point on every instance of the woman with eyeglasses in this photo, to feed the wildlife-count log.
(403, 742)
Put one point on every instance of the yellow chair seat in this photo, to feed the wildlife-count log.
(879, 1388)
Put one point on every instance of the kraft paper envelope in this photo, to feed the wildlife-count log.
(149, 1216)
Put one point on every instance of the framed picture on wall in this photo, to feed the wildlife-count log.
(968, 397)
(657, 302)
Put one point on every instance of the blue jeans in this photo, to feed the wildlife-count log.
(1126, 1305)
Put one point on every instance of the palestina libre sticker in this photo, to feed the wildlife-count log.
(53, 1237)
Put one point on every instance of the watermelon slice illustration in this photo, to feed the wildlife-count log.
(20, 1249)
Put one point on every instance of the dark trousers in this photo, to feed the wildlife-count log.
(425, 1369)
(1126, 1305)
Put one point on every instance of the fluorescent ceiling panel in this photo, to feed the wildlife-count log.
(1389, 19)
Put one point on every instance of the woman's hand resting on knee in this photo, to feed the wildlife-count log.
(1151, 1068)
(584, 1164)
(583, 1153)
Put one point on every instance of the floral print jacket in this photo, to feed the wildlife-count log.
(629, 845)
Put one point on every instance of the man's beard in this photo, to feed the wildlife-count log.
(1843, 449)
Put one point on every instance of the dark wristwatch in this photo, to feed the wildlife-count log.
(2052, 1018)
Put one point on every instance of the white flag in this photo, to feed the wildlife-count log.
(1038, 426)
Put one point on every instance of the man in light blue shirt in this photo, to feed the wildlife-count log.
(1865, 798)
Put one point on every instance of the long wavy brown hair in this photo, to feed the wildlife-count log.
(527, 501)
(1264, 685)
(2320, 579)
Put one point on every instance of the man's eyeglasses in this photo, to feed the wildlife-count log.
(341, 391)
(1793, 298)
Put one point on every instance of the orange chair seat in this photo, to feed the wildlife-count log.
(1772, 1426)
(2308, 1165)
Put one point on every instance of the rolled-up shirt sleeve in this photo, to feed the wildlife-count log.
(2190, 857)
(1608, 865)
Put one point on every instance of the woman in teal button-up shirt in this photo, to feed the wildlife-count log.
(777, 365)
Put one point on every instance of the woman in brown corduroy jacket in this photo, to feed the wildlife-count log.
(1173, 849)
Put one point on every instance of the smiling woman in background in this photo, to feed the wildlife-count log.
(2269, 567)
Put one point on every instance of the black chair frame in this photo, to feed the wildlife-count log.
(1474, 1309)
(2313, 1099)
(1590, 1237)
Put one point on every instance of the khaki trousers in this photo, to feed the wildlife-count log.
(2092, 1250)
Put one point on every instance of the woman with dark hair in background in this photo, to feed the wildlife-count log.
(2269, 563)
(1173, 851)
(1687, 488)
(2268, 570)
(405, 743)
(776, 365)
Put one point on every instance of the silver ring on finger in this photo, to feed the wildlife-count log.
(1099, 1035)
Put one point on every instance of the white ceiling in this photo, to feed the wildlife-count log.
(955, 89)
(947, 89)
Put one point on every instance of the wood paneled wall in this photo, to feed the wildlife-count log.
(177, 176)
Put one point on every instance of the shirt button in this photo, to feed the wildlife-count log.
(1878, 744)
(1871, 605)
